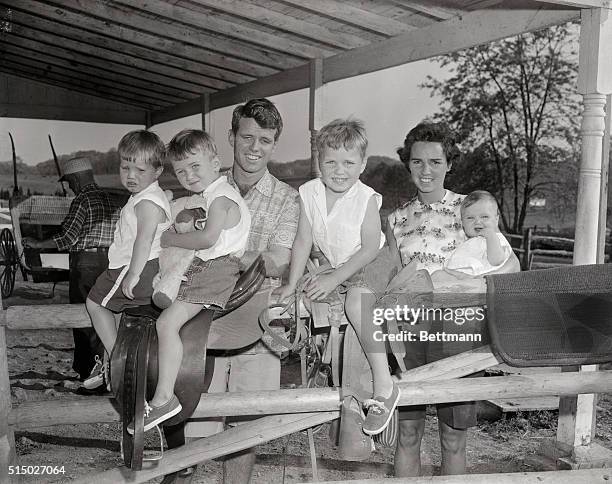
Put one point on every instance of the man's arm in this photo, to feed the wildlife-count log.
(276, 260)
(71, 229)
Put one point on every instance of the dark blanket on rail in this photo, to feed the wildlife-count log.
(560, 316)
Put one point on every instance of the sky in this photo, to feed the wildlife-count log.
(389, 102)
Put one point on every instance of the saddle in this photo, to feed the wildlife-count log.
(134, 366)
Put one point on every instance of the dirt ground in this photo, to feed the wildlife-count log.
(40, 369)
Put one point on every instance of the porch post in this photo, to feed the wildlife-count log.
(577, 414)
(206, 114)
(7, 436)
(315, 111)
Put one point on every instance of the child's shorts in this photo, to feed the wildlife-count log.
(375, 277)
(211, 281)
(107, 290)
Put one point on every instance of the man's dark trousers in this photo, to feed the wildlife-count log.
(85, 267)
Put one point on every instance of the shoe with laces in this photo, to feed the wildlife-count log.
(156, 415)
(380, 411)
(96, 377)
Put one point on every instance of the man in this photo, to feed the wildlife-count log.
(256, 127)
(87, 232)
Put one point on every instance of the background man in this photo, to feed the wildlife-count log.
(87, 232)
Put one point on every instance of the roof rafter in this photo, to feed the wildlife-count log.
(46, 63)
(581, 4)
(284, 22)
(474, 28)
(235, 30)
(85, 59)
(78, 86)
(111, 17)
(345, 13)
(100, 39)
(426, 8)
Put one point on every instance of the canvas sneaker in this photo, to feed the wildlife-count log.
(156, 415)
(380, 411)
(97, 376)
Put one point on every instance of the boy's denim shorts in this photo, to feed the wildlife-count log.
(375, 277)
(210, 282)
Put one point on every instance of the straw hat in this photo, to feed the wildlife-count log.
(75, 165)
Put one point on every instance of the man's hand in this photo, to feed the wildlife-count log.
(283, 292)
(129, 282)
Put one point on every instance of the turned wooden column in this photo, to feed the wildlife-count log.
(315, 111)
(577, 414)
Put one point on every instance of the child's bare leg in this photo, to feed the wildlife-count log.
(359, 306)
(103, 321)
(170, 347)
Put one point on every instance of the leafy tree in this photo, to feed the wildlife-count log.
(514, 104)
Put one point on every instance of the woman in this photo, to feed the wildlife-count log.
(427, 229)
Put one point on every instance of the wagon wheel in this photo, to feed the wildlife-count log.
(9, 260)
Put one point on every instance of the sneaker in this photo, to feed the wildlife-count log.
(380, 411)
(96, 377)
(156, 415)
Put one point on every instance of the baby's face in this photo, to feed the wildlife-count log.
(340, 168)
(197, 171)
(479, 218)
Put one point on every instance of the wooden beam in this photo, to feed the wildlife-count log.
(580, 4)
(206, 113)
(176, 54)
(83, 61)
(346, 13)
(100, 56)
(458, 33)
(591, 476)
(232, 54)
(7, 436)
(234, 30)
(426, 8)
(69, 113)
(22, 57)
(98, 73)
(287, 23)
(53, 79)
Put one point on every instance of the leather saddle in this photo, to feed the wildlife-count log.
(134, 368)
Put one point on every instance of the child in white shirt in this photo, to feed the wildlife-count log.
(340, 215)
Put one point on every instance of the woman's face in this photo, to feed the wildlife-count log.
(428, 168)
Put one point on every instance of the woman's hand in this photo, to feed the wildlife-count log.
(319, 286)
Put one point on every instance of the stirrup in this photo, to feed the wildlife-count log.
(148, 455)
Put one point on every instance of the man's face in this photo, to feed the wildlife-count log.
(253, 145)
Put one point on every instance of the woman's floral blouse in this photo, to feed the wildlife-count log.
(428, 233)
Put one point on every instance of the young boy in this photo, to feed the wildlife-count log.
(133, 255)
(485, 250)
(340, 215)
(211, 278)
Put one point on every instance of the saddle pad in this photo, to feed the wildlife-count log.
(553, 317)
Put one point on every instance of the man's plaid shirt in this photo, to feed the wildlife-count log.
(90, 222)
(275, 211)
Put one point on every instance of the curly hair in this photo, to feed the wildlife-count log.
(431, 132)
(264, 113)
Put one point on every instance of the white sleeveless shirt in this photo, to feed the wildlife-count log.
(338, 234)
(232, 241)
(120, 252)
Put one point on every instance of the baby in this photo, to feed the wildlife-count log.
(485, 249)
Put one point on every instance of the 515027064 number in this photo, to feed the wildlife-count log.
(35, 470)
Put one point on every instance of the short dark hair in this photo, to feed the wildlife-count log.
(434, 133)
(264, 113)
(189, 142)
(142, 144)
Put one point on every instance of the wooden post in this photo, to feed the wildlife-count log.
(605, 186)
(148, 122)
(577, 414)
(7, 436)
(526, 262)
(206, 114)
(315, 111)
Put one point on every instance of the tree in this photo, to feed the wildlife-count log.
(514, 104)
